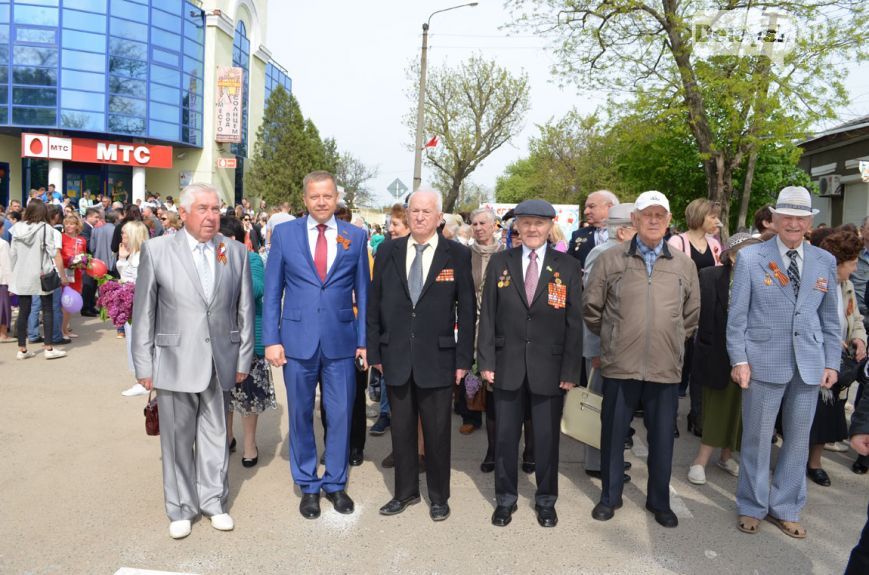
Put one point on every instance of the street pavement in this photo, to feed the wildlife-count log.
(81, 492)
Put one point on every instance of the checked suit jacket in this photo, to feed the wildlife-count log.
(775, 332)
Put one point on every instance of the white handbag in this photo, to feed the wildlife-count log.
(581, 416)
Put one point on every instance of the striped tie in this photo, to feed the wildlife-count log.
(531, 277)
(794, 271)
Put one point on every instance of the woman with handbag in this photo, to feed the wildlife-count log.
(74, 253)
(37, 270)
(829, 425)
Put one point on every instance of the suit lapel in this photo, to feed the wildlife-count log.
(182, 251)
(809, 275)
(773, 257)
(219, 268)
(439, 260)
(514, 264)
(302, 237)
(399, 258)
(546, 272)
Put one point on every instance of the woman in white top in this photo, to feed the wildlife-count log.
(133, 235)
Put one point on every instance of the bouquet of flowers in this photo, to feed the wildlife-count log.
(80, 261)
(473, 384)
(116, 302)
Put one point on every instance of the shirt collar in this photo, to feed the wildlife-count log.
(783, 249)
(193, 242)
(331, 223)
(541, 251)
(432, 242)
(644, 249)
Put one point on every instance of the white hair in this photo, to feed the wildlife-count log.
(490, 213)
(188, 194)
(608, 196)
(431, 191)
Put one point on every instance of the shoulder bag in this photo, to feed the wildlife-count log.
(50, 280)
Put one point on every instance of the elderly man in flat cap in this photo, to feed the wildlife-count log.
(530, 349)
(643, 301)
(783, 340)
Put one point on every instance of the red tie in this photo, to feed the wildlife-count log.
(321, 252)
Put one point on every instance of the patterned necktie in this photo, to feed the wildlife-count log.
(414, 282)
(321, 252)
(204, 269)
(531, 277)
(794, 271)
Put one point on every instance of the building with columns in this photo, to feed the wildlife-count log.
(121, 96)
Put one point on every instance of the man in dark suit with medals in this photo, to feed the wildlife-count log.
(530, 349)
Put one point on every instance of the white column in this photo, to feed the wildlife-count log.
(138, 184)
(55, 174)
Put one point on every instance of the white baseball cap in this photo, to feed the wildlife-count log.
(651, 198)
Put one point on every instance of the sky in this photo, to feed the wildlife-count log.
(348, 60)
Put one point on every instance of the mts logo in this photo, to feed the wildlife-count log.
(109, 153)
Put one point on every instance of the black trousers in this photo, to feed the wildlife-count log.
(473, 417)
(546, 420)
(88, 293)
(25, 303)
(357, 424)
(620, 399)
(410, 404)
(858, 564)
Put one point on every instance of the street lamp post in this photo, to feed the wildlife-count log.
(420, 109)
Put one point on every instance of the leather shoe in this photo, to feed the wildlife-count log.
(546, 516)
(222, 522)
(489, 466)
(529, 466)
(819, 476)
(341, 501)
(310, 505)
(250, 461)
(396, 506)
(603, 512)
(597, 475)
(356, 457)
(859, 468)
(439, 511)
(665, 518)
(503, 515)
(388, 461)
(179, 529)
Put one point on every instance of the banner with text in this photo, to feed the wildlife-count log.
(227, 107)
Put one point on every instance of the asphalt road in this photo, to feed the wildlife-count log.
(80, 492)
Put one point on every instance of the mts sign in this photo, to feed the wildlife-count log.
(95, 151)
(109, 153)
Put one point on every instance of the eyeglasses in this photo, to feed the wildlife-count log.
(164, 219)
(246, 220)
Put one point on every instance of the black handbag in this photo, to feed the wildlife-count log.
(49, 281)
(849, 369)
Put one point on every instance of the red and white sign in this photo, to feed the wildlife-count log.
(95, 151)
(230, 163)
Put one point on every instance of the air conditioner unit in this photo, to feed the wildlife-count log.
(830, 185)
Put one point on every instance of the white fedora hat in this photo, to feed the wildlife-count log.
(794, 201)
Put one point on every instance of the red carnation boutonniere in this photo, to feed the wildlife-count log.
(782, 279)
(345, 242)
(221, 253)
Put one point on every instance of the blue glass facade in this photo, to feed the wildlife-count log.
(276, 76)
(127, 67)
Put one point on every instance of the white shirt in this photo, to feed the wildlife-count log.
(210, 256)
(427, 254)
(786, 260)
(331, 239)
(526, 259)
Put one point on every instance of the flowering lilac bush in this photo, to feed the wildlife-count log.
(116, 302)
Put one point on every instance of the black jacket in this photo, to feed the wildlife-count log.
(711, 362)
(542, 342)
(581, 244)
(420, 341)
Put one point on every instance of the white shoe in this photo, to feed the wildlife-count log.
(697, 475)
(837, 447)
(137, 389)
(730, 466)
(25, 354)
(222, 522)
(179, 529)
(54, 353)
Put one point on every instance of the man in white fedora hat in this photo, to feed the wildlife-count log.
(783, 340)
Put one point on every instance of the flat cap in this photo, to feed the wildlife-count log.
(536, 208)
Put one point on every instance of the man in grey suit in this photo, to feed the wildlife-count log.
(783, 340)
(101, 240)
(193, 341)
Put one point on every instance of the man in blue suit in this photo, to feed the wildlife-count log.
(318, 266)
(784, 340)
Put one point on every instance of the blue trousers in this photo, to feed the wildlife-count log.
(338, 380)
(33, 320)
(784, 496)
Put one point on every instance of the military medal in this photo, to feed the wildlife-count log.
(767, 280)
(504, 280)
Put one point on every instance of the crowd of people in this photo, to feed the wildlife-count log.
(494, 318)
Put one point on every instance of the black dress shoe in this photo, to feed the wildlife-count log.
(62, 341)
(396, 506)
(546, 516)
(341, 501)
(665, 518)
(597, 475)
(232, 445)
(503, 515)
(489, 466)
(627, 465)
(439, 511)
(529, 466)
(603, 512)
(310, 505)
(250, 461)
(356, 457)
(819, 476)
(37, 340)
(859, 468)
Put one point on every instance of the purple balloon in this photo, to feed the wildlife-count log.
(70, 300)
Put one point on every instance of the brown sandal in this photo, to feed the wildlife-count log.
(748, 524)
(789, 528)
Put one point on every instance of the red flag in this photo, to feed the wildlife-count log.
(432, 143)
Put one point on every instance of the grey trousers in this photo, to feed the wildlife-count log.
(595, 384)
(195, 452)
